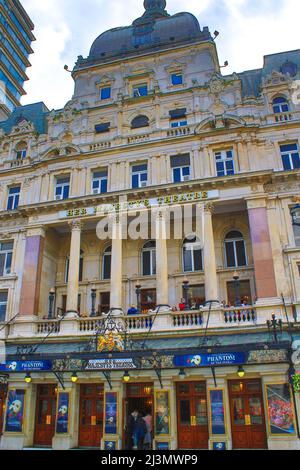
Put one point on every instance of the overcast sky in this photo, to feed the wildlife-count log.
(65, 29)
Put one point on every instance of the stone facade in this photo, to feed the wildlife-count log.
(227, 119)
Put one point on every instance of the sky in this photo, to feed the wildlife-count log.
(64, 29)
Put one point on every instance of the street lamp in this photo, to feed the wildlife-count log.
(138, 298)
(237, 284)
(241, 372)
(126, 376)
(51, 304)
(182, 374)
(28, 378)
(74, 378)
(93, 296)
(274, 325)
(186, 286)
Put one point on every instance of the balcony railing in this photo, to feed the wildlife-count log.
(165, 322)
(240, 315)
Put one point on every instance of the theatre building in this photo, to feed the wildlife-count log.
(201, 330)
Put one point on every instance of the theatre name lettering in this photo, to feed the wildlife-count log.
(141, 204)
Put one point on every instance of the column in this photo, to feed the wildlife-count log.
(162, 294)
(32, 271)
(261, 248)
(210, 268)
(116, 300)
(242, 156)
(73, 280)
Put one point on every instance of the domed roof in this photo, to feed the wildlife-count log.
(155, 30)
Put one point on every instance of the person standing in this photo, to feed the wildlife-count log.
(148, 436)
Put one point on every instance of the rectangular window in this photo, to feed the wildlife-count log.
(3, 305)
(176, 79)
(181, 168)
(102, 128)
(290, 156)
(178, 123)
(6, 253)
(178, 117)
(140, 90)
(13, 198)
(244, 293)
(21, 154)
(62, 188)
(105, 93)
(99, 183)
(295, 214)
(224, 162)
(139, 176)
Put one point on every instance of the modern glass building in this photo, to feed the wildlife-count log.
(15, 38)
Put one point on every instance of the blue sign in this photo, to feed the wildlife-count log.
(217, 412)
(162, 446)
(25, 366)
(219, 446)
(111, 413)
(209, 360)
(62, 422)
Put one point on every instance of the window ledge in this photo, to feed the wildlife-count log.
(9, 277)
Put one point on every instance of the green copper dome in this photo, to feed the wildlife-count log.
(153, 31)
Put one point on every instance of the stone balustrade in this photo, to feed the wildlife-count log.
(164, 322)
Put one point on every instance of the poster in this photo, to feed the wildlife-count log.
(15, 411)
(217, 412)
(62, 422)
(110, 445)
(162, 414)
(280, 409)
(111, 413)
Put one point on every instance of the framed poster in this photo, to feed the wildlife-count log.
(111, 413)
(15, 411)
(162, 413)
(110, 445)
(217, 410)
(62, 420)
(280, 409)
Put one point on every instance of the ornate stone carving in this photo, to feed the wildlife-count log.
(23, 127)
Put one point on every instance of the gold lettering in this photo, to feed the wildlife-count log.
(175, 199)
(168, 200)
(160, 200)
(205, 195)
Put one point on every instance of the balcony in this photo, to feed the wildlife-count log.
(281, 118)
(165, 323)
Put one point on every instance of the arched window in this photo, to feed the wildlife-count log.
(139, 121)
(149, 259)
(106, 263)
(235, 250)
(192, 255)
(80, 267)
(280, 105)
(21, 150)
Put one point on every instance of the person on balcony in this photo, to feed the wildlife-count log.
(182, 305)
(132, 310)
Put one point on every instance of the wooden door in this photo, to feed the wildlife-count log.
(45, 415)
(91, 415)
(247, 415)
(3, 390)
(192, 415)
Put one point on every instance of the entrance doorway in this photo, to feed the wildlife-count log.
(91, 415)
(45, 415)
(247, 415)
(192, 415)
(3, 390)
(139, 396)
